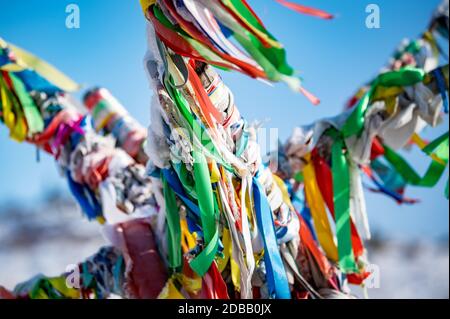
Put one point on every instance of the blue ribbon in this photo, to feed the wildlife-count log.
(298, 200)
(275, 273)
(388, 182)
(442, 88)
(174, 182)
(394, 195)
(33, 81)
(4, 58)
(85, 198)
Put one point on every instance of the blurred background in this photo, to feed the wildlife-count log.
(43, 231)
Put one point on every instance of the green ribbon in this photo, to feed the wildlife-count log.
(341, 176)
(15, 107)
(272, 60)
(255, 48)
(406, 76)
(267, 57)
(413, 47)
(202, 49)
(439, 147)
(173, 227)
(33, 116)
(201, 263)
(245, 12)
(355, 122)
(186, 179)
(202, 144)
(341, 191)
(197, 132)
(41, 287)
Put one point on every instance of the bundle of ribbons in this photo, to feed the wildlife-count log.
(211, 166)
(102, 170)
(112, 118)
(193, 211)
(327, 157)
(100, 276)
(204, 30)
(425, 53)
(229, 221)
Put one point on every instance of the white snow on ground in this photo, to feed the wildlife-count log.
(46, 240)
(410, 270)
(49, 238)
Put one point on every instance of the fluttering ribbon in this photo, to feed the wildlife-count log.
(387, 181)
(25, 60)
(406, 76)
(439, 148)
(199, 34)
(341, 177)
(306, 10)
(34, 120)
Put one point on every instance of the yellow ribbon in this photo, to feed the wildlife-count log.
(188, 240)
(145, 4)
(428, 36)
(59, 283)
(235, 275)
(250, 209)
(318, 211)
(215, 173)
(26, 60)
(191, 285)
(284, 191)
(101, 220)
(170, 291)
(383, 93)
(416, 139)
(226, 241)
(13, 114)
(8, 115)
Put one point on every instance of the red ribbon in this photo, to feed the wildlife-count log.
(306, 10)
(325, 183)
(308, 240)
(253, 12)
(146, 274)
(206, 105)
(244, 25)
(192, 30)
(377, 149)
(219, 288)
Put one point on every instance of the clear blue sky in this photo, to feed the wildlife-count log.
(335, 57)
